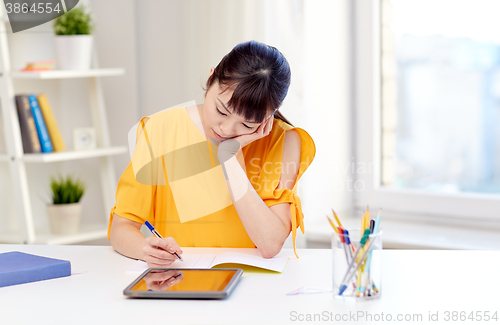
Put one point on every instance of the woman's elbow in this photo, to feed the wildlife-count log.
(271, 251)
(114, 237)
(273, 248)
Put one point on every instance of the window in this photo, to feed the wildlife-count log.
(441, 95)
(428, 106)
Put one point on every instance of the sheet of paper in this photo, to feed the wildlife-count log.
(306, 291)
(205, 261)
(191, 261)
(276, 264)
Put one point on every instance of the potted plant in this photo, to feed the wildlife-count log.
(65, 211)
(74, 39)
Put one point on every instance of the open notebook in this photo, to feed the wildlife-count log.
(207, 261)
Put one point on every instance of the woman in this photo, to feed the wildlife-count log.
(220, 174)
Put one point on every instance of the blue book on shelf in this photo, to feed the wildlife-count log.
(41, 127)
(18, 267)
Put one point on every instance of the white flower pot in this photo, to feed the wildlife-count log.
(74, 52)
(64, 218)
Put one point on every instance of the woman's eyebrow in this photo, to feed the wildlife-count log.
(232, 113)
(223, 105)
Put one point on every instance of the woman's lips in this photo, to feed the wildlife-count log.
(217, 135)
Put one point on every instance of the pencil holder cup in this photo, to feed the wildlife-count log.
(357, 265)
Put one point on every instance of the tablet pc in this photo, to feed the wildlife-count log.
(184, 283)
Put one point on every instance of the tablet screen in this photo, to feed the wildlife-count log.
(185, 280)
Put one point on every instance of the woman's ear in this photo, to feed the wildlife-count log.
(212, 69)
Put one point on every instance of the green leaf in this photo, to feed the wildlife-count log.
(66, 190)
(77, 21)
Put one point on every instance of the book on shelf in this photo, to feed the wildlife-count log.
(29, 134)
(50, 121)
(41, 127)
(46, 65)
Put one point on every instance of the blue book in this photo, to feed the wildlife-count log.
(41, 127)
(17, 268)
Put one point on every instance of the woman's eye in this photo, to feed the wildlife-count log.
(248, 127)
(220, 112)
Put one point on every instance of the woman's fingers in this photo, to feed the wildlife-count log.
(173, 247)
(265, 127)
(158, 252)
(158, 262)
(167, 244)
(262, 130)
(270, 125)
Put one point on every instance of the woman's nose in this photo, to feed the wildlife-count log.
(226, 129)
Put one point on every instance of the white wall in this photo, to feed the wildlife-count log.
(118, 45)
(327, 109)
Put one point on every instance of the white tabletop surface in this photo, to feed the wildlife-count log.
(415, 282)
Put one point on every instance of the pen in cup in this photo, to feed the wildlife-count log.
(340, 226)
(356, 259)
(157, 234)
(344, 244)
(348, 243)
(359, 262)
(359, 269)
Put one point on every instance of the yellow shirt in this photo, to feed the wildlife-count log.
(175, 181)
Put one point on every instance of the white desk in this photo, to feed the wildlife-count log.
(414, 282)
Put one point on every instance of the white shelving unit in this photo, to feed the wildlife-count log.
(88, 231)
(64, 74)
(17, 160)
(73, 155)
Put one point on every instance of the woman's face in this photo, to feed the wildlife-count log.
(219, 119)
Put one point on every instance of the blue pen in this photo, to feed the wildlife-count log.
(349, 275)
(157, 234)
(348, 243)
(376, 226)
(342, 242)
(351, 272)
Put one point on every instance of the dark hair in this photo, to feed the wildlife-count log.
(260, 75)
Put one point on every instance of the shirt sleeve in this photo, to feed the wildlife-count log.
(272, 195)
(134, 199)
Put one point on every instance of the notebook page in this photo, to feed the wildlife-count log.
(276, 264)
(191, 261)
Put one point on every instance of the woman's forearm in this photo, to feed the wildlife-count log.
(264, 227)
(126, 238)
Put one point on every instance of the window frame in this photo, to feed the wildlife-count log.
(367, 125)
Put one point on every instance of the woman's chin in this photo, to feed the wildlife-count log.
(215, 141)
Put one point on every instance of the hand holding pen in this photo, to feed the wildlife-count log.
(160, 252)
